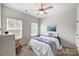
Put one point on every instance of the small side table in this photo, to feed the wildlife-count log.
(18, 47)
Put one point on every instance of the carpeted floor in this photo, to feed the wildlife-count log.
(63, 52)
(26, 52)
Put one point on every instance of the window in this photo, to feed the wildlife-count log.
(34, 29)
(15, 26)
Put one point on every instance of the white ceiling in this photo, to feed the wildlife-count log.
(57, 8)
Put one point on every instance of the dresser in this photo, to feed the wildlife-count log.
(7, 45)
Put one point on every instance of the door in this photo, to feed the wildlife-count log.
(77, 35)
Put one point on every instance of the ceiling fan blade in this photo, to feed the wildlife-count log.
(41, 5)
(48, 8)
(45, 12)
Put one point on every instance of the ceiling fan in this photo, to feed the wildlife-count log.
(42, 9)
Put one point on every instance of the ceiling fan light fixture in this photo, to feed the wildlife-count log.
(40, 12)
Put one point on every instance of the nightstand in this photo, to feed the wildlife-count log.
(18, 47)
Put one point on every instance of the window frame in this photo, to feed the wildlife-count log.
(35, 34)
(14, 29)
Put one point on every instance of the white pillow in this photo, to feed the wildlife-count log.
(51, 34)
(47, 34)
(55, 34)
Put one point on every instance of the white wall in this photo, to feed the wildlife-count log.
(26, 19)
(66, 24)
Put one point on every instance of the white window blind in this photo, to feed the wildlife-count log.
(15, 26)
(34, 29)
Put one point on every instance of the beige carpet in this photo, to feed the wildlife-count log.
(63, 52)
(26, 52)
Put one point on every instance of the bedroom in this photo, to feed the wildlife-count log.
(28, 18)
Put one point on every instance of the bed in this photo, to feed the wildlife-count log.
(45, 45)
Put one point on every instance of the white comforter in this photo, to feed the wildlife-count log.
(41, 48)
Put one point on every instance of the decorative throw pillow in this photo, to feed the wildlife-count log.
(55, 34)
(51, 34)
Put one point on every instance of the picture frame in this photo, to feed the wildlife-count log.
(51, 28)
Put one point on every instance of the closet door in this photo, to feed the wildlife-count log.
(77, 35)
(77, 28)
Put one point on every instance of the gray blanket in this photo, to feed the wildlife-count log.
(51, 43)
